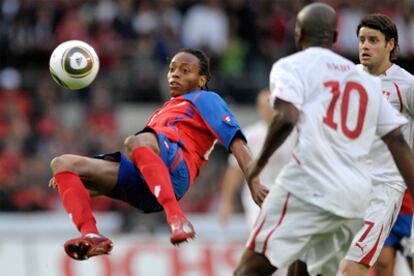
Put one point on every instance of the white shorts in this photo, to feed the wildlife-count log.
(380, 216)
(289, 228)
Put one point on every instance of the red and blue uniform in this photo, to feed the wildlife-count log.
(187, 128)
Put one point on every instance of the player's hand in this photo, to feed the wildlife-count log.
(258, 191)
(52, 183)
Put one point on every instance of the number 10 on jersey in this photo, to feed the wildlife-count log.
(350, 87)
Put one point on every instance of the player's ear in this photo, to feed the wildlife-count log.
(202, 81)
(335, 36)
(391, 44)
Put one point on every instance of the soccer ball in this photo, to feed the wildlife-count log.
(74, 64)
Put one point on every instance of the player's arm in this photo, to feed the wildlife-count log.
(403, 156)
(232, 180)
(213, 109)
(285, 116)
(244, 158)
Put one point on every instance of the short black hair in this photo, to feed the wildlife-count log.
(203, 60)
(384, 24)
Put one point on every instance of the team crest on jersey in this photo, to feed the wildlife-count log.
(227, 119)
(387, 94)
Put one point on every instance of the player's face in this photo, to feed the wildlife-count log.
(374, 50)
(184, 74)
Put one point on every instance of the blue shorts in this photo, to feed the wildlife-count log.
(131, 186)
(400, 230)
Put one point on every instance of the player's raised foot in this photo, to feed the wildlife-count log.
(88, 246)
(181, 230)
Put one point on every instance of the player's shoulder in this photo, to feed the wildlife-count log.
(287, 66)
(205, 99)
(312, 58)
(400, 75)
(359, 68)
(202, 95)
(292, 60)
(374, 81)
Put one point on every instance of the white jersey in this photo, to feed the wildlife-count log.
(341, 112)
(398, 89)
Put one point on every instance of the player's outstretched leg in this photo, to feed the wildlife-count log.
(157, 178)
(76, 200)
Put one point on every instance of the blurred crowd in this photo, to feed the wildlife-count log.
(134, 40)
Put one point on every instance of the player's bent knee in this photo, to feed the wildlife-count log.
(58, 163)
(147, 139)
(65, 162)
(53, 163)
(129, 141)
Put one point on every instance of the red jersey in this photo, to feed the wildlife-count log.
(196, 121)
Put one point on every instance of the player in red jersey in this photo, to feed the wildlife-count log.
(161, 161)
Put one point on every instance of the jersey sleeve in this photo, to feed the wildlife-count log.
(388, 118)
(409, 98)
(218, 117)
(285, 84)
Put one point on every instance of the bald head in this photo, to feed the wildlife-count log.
(316, 26)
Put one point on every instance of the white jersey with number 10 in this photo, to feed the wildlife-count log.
(341, 112)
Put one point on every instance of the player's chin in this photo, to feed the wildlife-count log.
(176, 92)
(364, 61)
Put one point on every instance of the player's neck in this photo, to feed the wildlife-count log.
(379, 69)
